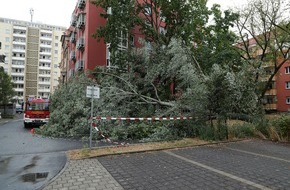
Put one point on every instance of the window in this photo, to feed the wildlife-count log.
(288, 100)
(287, 86)
(7, 39)
(7, 31)
(162, 30)
(56, 37)
(56, 44)
(123, 37)
(55, 66)
(287, 70)
(147, 10)
(7, 47)
(55, 51)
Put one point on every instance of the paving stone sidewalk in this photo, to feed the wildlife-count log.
(86, 174)
(226, 166)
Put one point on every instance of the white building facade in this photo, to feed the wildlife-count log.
(33, 54)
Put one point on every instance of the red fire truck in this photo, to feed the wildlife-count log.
(36, 111)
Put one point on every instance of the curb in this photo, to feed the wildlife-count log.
(157, 149)
(57, 175)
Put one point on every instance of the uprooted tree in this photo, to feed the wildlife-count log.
(191, 69)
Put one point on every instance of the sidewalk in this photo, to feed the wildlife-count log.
(250, 164)
(86, 174)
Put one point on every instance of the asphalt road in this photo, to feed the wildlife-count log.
(28, 161)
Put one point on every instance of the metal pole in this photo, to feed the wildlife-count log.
(92, 107)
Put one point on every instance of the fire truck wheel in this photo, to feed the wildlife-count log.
(26, 125)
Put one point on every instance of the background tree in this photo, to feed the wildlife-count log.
(6, 89)
(264, 32)
(209, 40)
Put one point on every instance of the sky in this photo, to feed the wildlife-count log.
(58, 12)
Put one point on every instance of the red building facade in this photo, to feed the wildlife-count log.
(85, 52)
(283, 88)
(82, 52)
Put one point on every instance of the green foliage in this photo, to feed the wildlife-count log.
(187, 20)
(69, 110)
(145, 88)
(282, 127)
(230, 93)
(6, 88)
(242, 130)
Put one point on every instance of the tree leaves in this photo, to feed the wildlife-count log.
(6, 88)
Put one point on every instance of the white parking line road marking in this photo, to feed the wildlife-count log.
(256, 154)
(219, 172)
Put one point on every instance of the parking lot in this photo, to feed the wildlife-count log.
(249, 164)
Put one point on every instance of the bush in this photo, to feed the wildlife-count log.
(280, 129)
(242, 131)
(149, 131)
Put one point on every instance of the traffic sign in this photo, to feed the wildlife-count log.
(93, 92)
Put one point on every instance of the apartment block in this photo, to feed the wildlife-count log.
(82, 52)
(33, 54)
(277, 96)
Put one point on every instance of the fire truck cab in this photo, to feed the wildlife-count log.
(36, 111)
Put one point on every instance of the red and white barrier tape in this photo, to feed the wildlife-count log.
(94, 125)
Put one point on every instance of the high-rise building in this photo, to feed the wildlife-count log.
(33, 54)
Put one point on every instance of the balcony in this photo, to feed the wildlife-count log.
(18, 58)
(81, 4)
(81, 21)
(19, 32)
(80, 43)
(46, 38)
(22, 28)
(18, 89)
(270, 107)
(43, 90)
(73, 37)
(271, 92)
(17, 66)
(46, 31)
(73, 55)
(19, 42)
(44, 45)
(18, 81)
(47, 68)
(18, 74)
(73, 21)
(45, 52)
(46, 75)
(79, 65)
(18, 50)
(44, 60)
(44, 82)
